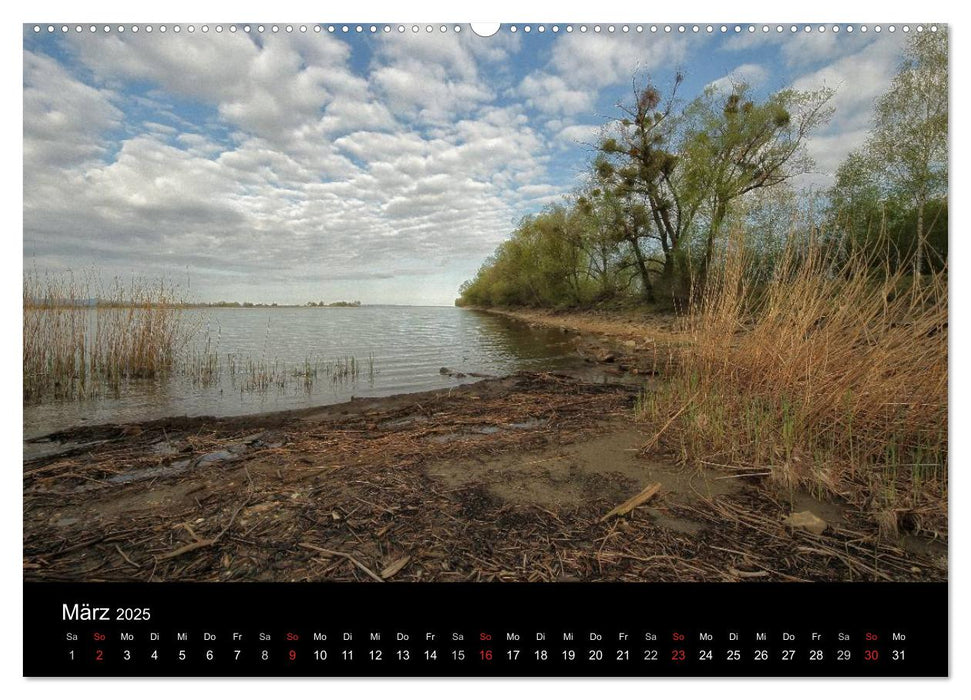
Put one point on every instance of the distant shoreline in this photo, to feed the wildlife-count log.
(234, 305)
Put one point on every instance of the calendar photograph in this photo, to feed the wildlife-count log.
(450, 303)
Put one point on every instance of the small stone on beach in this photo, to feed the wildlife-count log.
(806, 520)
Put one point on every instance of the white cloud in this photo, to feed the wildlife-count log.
(599, 60)
(199, 145)
(858, 79)
(64, 119)
(554, 95)
(579, 134)
(426, 93)
(284, 162)
(431, 79)
(274, 91)
(173, 60)
(752, 74)
(804, 49)
(316, 179)
(580, 66)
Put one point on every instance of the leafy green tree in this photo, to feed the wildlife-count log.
(699, 161)
(909, 136)
(890, 196)
(620, 210)
(638, 164)
(592, 220)
(736, 145)
(543, 264)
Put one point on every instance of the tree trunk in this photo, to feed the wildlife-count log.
(919, 255)
(716, 221)
(642, 268)
(668, 272)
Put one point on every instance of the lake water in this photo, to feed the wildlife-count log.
(397, 349)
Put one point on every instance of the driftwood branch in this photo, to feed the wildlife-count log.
(350, 558)
(631, 503)
(200, 543)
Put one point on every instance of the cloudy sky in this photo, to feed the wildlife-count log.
(308, 165)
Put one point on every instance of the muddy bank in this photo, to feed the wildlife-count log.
(506, 479)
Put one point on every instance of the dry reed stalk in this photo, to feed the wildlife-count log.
(833, 374)
(80, 336)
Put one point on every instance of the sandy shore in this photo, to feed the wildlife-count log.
(626, 326)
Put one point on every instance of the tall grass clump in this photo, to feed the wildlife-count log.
(829, 371)
(81, 336)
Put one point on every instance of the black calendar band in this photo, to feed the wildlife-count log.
(414, 629)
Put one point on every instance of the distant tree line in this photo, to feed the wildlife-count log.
(238, 305)
(670, 178)
(262, 305)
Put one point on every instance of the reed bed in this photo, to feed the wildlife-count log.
(831, 374)
(244, 373)
(83, 337)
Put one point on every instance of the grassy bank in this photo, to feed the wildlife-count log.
(829, 377)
